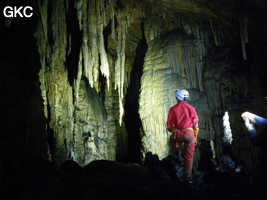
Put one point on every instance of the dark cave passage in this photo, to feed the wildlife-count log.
(132, 119)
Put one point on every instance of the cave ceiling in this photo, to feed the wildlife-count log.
(227, 12)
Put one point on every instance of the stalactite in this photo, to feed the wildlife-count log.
(120, 63)
(78, 80)
(93, 48)
(189, 58)
(79, 6)
(243, 27)
(92, 19)
(215, 34)
(199, 74)
(113, 31)
(104, 67)
(42, 9)
(213, 95)
(56, 90)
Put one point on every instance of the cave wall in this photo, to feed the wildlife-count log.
(89, 57)
(172, 61)
(86, 109)
(209, 59)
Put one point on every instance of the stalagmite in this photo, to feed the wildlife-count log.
(172, 61)
(227, 138)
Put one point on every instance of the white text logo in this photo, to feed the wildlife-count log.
(17, 11)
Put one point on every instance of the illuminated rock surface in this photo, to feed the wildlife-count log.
(94, 80)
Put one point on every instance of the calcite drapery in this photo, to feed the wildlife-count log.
(92, 20)
(85, 115)
(56, 90)
(172, 61)
(110, 32)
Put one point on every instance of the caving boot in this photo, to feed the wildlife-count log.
(178, 155)
(188, 179)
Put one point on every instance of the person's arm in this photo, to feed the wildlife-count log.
(171, 121)
(195, 128)
(195, 124)
(195, 119)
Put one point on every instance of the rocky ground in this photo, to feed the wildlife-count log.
(102, 179)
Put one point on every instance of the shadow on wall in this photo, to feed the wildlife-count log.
(132, 119)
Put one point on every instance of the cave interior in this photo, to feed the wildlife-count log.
(86, 87)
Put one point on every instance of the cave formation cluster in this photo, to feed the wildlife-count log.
(100, 77)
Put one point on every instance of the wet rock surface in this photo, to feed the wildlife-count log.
(103, 179)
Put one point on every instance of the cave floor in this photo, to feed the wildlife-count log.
(105, 179)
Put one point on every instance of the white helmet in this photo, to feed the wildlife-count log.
(182, 95)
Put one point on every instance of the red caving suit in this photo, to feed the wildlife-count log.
(182, 119)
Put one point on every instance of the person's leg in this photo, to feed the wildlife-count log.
(189, 150)
(173, 140)
(175, 145)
